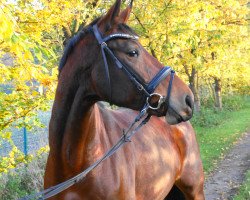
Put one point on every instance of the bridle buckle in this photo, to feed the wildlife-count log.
(154, 101)
(140, 87)
(104, 44)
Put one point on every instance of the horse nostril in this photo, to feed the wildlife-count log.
(189, 102)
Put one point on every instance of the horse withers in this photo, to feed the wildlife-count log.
(106, 62)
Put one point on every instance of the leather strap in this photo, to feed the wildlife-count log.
(147, 89)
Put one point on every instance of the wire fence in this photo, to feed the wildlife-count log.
(28, 141)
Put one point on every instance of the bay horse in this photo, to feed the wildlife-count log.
(106, 62)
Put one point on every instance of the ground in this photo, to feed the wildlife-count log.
(224, 181)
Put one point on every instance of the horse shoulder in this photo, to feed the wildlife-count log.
(185, 138)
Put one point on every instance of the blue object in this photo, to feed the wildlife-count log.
(25, 141)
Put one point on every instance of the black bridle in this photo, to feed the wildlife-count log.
(147, 89)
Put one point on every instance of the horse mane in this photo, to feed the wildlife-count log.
(72, 43)
(80, 35)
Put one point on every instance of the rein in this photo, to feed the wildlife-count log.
(143, 117)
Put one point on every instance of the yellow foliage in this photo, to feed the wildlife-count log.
(189, 32)
(210, 36)
(16, 157)
(31, 37)
(6, 27)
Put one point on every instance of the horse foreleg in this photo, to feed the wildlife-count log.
(175, 193)
(192, 192)
(191, 177)
(191, 182)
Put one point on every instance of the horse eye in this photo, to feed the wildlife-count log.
(133, 53)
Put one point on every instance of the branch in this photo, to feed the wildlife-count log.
(240, 23)
(67, 34)
(76, 25)
(139, 21)
(29, 22)
(152, 51)
(67, 31)
(16, 117)
(186, 71)
(166, 6)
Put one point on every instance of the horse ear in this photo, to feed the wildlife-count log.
(108, 20)
(124, 16)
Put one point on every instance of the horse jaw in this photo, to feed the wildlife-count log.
(173, 117)
(172, 120)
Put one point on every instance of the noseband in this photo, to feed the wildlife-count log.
(147, 89)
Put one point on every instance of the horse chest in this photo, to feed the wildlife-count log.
(140, 170)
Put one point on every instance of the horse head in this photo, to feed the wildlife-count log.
(112, 65)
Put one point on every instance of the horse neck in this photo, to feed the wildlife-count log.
(73, 91)
(83, 126)
(73, 119)
(70, 104)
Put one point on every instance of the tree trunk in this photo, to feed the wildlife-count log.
(193, 81)
(211, 88)
(194, 88)
(217, 90)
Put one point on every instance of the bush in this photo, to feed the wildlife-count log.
(24, 180)
(232, 103)
(209, 116)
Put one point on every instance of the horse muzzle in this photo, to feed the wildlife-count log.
(184, 112)
(159, 106)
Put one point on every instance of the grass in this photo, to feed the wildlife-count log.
(244, 190)
(224, 128)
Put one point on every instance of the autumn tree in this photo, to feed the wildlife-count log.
(32, 38)
(205, 41)
(200, 39)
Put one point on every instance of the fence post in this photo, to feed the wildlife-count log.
(25, 141)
